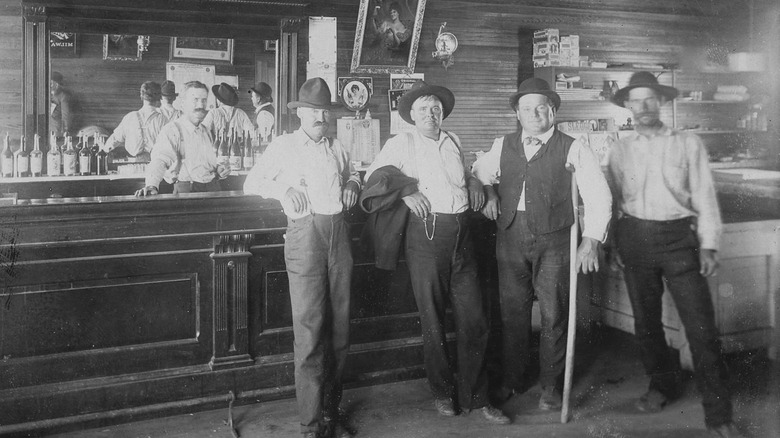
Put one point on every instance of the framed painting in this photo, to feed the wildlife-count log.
(387, 36)
(202, 49)
(121, 47)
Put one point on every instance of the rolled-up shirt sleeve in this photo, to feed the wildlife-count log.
(164, 155)
(261, 180)
(487, 168)
(593, 189)
(704, 199)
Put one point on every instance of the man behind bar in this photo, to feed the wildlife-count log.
(668, 232)
(439, 249)
(312, 177)
(533, 212)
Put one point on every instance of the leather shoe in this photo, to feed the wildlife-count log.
(445, 407)
(551, 399)
(651, 402)
(728, 430)
(494, 415)
(338, 427)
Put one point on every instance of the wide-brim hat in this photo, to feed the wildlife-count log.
(225, 94)
(643, 79)
(314, 93)
(535, 86)
(56, 77)
(419, 89)
(262, 89)
(169, 89)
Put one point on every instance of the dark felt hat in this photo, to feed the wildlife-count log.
(225, 93)
(535, 86)
(169, 89)
(419, 89)
(262, 89)
(643, 79)
(56, 77)
(314, 93)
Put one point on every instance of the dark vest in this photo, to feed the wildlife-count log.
(269, 108)
(548, 184)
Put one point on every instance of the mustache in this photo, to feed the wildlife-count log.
(325, 124)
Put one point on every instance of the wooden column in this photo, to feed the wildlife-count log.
(231, 334)
(35, 75)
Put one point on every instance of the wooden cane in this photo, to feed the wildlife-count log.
(572, 328)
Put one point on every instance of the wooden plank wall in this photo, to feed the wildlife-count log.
(11, 67)
(485, 72)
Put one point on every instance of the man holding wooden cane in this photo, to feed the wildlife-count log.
(533, 213)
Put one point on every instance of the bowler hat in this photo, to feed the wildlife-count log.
(535, 86)
(643, 79)
(169, 89)
(314, 93)
(56, 77)
(225, 94)
(263, 90)
(419, 89)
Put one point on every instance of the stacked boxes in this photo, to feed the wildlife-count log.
(550, 49)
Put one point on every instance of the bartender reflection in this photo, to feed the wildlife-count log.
(184, 150)
(137, 132)
(226, 117)
(61, 116)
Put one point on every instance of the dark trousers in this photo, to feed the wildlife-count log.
(652, 252)
(196, 187)
(529, 263)
(443, 269)
(319, 266)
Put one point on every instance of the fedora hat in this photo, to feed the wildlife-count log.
(314, 93)
(535, 86)
(262, 89)
(225, 94)
(643, 79)
(169, 89)
(420, 88)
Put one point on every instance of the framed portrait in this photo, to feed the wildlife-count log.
(63, 45)
(121, 47)
(387, 36)
(355, 92)
(202, 49)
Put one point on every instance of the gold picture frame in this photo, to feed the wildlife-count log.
(202, 49)
(118, 47)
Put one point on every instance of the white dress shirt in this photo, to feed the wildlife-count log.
(185, 152)
(590, 180)
(437, 165)
(320, 170)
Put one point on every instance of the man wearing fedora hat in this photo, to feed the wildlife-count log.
(533, 212)
(264, 110)
(226, 117)
(167, 109)
(439, 249)
(312, 176)
(665, 195)
(137, 132)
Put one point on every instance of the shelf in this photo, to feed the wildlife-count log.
(110, 177)
(722, 131)
(711, 102)
(615, 69)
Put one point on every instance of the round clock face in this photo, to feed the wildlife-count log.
(355, 95)
(446, 43)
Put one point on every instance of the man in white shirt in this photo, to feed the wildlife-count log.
(264, 110)
(227, 118)
(439, 249)
(137, 132)
(184, 153)
(312, 176)
(169, 95)
(534, 213)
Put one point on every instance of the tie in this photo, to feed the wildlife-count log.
(532, 141)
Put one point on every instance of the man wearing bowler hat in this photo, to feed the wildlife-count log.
(668, 233)
(61, 116)
(311, 175)
(534, 213)
(226, 117)
(169, 94)
(439, 249)
(264, 110)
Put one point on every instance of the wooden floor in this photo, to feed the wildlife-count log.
(609, 378)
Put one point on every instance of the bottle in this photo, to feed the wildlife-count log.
(93, 151)
(7, 159)
(236, 158)
(22, 159)
(36, 157)
(101, 166)
(85, 157)
(249, 159)
(257, 151)
(70, 159)
(54, 158)
(224, 151)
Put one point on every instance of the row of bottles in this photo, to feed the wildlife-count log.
(237, 151)
(82, 159)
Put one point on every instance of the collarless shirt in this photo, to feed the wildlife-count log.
(437, 165)
(137, 131)
(592, 184)
(666, 177)
(320, 170)
(185, 151)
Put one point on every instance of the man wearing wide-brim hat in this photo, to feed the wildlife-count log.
(665, 195)
(534, 215)
(227, 118)
(264, 110)
(439, 248)
(311, 174)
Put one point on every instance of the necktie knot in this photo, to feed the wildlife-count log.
(532, 141)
